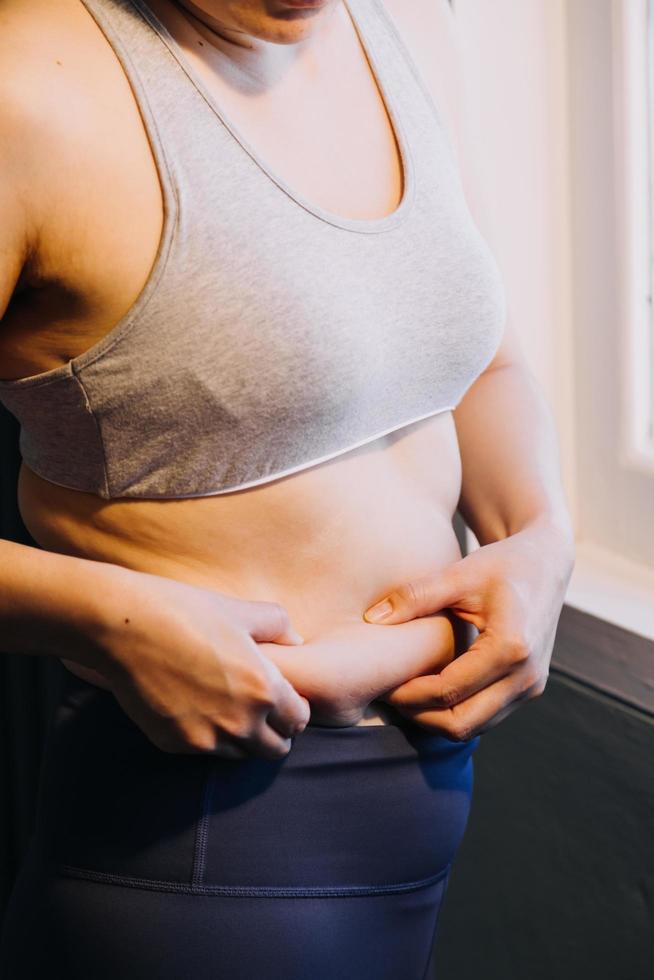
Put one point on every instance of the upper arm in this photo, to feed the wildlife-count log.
(14, 240)
(14, 222)
(16, 227)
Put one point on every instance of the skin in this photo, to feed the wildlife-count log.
(299, 541)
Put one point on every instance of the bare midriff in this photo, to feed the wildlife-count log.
(325, 542)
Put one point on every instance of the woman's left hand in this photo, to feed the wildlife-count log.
(512, 591)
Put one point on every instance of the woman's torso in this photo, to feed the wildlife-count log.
(326, 541)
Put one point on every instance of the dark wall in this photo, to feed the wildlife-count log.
(555, 877)
(28, 689)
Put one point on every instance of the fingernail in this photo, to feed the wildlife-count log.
(380, 611)
(295, 636)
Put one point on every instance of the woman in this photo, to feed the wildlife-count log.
(243, 298)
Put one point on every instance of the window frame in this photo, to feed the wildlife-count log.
(633, 105)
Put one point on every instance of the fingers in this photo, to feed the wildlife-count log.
(287, 717)
(272, 738)
(290, 713)
(270, 744)
(488, 659)
(416, 694)
(264, 742)
(227, 749)
(474, 670)
(241, 742)
(420, 596)
(268, 733)
(266, 621)
(476, 715)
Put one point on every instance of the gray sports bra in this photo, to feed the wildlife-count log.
(271, 334)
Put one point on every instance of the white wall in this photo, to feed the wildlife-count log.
(542, 77)
(516, 65)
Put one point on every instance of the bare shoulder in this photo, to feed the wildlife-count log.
(48, 61)
(68, 124)
(17, 229)
(35, 118)
(35, 42)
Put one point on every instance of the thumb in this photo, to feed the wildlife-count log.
(418, 597)
(267, 621)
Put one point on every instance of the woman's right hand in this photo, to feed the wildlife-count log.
(183, 663)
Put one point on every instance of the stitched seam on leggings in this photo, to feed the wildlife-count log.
(251, 891)
(201, 831)
(428, 964)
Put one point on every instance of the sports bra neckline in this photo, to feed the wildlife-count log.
(366, 225)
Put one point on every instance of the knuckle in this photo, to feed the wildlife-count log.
(460, 730)
(238, 728)
(281, 614)
(268, 744)
(528, 681)
(198, 741)
(184, 737)
(260, 689)
(412, 593)
(302, 716)
(279, 751)
(266, 696)
(516, 646)
(448, 697)
(225, 748)
(533, 682)
(538, 688)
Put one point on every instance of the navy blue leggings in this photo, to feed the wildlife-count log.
(330, 864)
